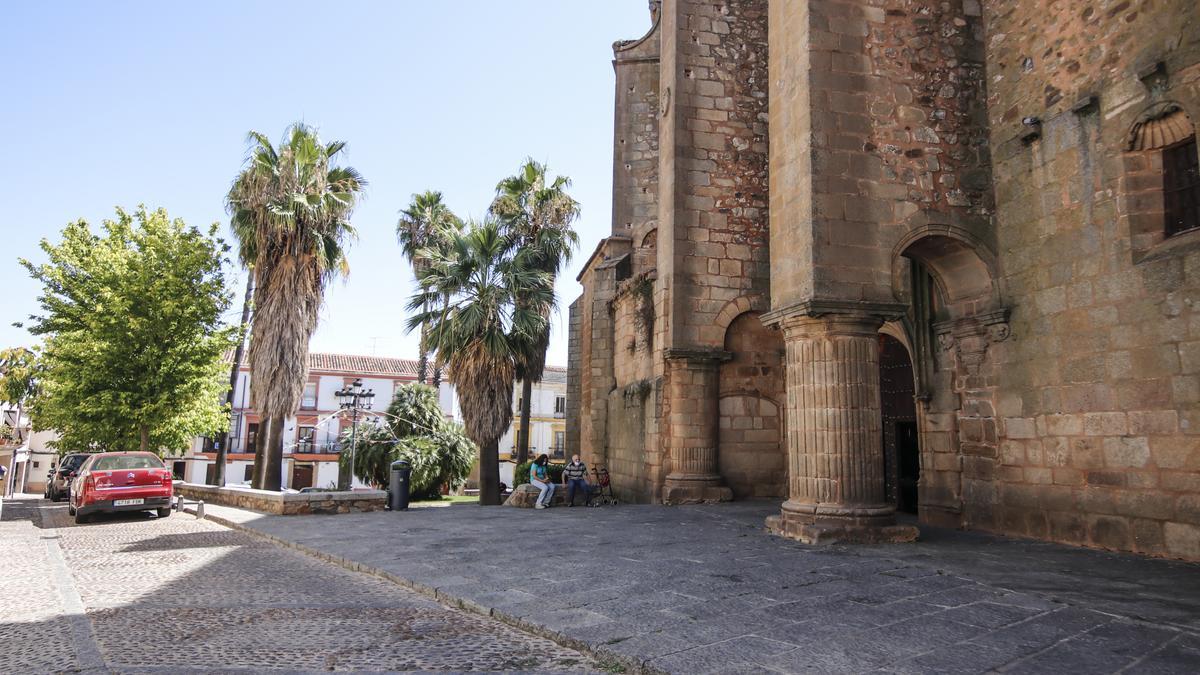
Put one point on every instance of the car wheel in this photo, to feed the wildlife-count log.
(81, 518)
(163, 513)
(70, 509)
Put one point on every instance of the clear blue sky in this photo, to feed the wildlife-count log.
(120, 103)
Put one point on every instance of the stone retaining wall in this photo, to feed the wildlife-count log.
(287, 504)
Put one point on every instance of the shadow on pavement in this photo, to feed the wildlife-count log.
(180, 595)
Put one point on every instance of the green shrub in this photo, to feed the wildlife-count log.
(438, 450)
(521, 474)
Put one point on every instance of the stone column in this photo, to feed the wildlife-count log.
(834, 432)
(692, 427)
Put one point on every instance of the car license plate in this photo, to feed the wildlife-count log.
(128, 502)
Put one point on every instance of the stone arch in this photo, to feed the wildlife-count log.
(1162, 124)
(734, 308)
(650, 240)
(751, 455)
(963, 268)
(1160, 137)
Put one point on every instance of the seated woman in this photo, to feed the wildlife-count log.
(540, 477)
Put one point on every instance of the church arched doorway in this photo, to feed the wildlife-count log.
(901, 452)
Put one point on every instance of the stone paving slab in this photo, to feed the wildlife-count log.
(133, 593)
(704, 589)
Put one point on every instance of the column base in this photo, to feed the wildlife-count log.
(693, 491)
(840, 524)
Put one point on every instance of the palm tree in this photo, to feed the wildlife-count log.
(479, 329)
(290, 213)
(536, 215)
(426, 219)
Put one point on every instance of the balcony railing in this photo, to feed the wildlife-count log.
(311, 448)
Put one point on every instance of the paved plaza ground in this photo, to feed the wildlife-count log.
(137, 594)
(704, 589)
(674, 589)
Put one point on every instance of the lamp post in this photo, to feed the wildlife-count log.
(353, 398)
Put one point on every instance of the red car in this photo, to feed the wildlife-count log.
(121, 481)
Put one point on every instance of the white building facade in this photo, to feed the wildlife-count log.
(312, 436)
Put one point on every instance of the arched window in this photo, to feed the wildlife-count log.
(1163, 147)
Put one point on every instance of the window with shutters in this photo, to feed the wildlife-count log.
(1161, 183)
(1181, 187)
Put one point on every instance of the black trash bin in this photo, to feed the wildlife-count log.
(399, 487)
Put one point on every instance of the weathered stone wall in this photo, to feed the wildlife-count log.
(1099, 386)
(574, 375)
(750, 453)
(882, 108)
(713, 162)
(713, 222)
(635, 137)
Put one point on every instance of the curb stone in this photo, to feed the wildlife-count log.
(634, 665)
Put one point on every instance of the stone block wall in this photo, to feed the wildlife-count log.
(713, 163)
(751, 455)
(883, 108)
(1098, 389)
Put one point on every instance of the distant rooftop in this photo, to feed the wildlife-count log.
(393, 367)
(554, 375)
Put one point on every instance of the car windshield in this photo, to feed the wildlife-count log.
(121, 462)
(73, 461)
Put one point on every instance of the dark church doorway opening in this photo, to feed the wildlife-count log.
(901, 452)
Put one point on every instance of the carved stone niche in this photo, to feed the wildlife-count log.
(970, 336)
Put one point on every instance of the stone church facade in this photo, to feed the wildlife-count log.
(939, 256)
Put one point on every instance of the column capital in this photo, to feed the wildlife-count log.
(843, 313)
(969, 337)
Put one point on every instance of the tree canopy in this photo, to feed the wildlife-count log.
(414, 429)
(484, 302)
(133, 337)
(18, 374)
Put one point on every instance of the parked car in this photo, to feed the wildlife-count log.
(58, 483)
(121, 481)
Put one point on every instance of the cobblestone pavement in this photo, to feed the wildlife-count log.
(705, 589)
(134, 593)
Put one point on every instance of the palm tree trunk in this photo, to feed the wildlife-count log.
(273, 471)
(489, 474)
(260, 455)
(423, 359)
(268, 457)
(223, 448)
(523, 429)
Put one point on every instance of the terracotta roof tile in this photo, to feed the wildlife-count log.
(349, 363)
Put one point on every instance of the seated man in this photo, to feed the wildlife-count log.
(575, 476)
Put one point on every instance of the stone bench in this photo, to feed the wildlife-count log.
(525, 496)
(285, 503)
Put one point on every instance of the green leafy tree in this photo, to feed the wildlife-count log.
(414, 428)
(18, 382)
(536, 214)
(478, 327)
(291, 216)
(426, 223)
(133, 339)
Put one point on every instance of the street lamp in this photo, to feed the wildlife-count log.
(353, 398)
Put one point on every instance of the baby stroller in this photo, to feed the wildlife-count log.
(602, 492)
